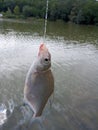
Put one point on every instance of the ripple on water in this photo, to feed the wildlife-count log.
(3, 114)
(75, 68)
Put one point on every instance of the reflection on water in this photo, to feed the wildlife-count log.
(75, 68)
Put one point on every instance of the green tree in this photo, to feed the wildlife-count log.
(1, 5)
(95, 12)
(27, 11)
(10, 4)
(53, 10)
(16, 10)
(77, 11)
(88, 11)
(35, 12)
(9, 12)
(80, 19)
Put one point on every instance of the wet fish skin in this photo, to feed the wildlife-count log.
(39, 84)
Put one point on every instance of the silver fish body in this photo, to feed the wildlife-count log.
(38, 88)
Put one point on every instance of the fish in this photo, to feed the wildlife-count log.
(39, 83)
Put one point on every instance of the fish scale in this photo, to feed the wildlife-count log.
(39, 84)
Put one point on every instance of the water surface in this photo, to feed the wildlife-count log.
(74, 51)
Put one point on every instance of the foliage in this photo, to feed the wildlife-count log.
(27, 11)
(77, 11)
(16, 10)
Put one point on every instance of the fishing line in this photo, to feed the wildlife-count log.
(45, 24)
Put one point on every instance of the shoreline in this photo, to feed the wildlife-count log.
(34, 19)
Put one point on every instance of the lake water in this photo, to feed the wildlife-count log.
(74, 51)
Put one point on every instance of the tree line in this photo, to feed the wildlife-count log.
(76, 11)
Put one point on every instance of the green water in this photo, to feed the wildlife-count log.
(74, 51)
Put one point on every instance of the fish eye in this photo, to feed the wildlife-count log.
(46, 59)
